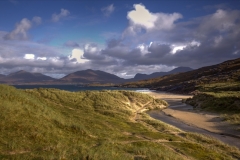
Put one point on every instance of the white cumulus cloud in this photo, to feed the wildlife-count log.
(177, 48)
(42, 58)
(143, 18)
(29, 56)
(182, 46)
(78, 55)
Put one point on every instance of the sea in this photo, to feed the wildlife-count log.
(76, 88)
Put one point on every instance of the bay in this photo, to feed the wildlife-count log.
(76, 88)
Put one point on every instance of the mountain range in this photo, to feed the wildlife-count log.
(140, 76)
(80, 77)
(181, 79)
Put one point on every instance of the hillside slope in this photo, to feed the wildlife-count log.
(55, 124)
(187, 82)
(220, 98)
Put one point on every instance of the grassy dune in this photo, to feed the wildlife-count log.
(56, 124)
(223, 98)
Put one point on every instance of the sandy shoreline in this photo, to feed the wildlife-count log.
(185, 113)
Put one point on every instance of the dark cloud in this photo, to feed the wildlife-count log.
(158, 50)
(205, 41)
(92, 52)
(114, 43)
(199, 42)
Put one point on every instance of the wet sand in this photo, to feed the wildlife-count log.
(186, 118)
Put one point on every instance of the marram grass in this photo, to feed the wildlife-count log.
(55, 124)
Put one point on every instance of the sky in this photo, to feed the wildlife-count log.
(122, 37)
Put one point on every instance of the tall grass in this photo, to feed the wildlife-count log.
(223, 98)
(55, 124)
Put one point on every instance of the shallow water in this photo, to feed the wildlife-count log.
(75, 88)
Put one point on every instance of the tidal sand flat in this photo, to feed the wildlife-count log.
(210, 122)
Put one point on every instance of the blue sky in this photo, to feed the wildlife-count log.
(124, 37)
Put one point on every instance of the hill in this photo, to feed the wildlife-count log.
(140, 76)
(20, 77)
(91, 76)
(55, 124)
(187, 82)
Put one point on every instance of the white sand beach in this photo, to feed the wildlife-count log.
(208, 121)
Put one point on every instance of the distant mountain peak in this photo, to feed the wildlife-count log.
(21, 71)
(17, 72)
(26, 77)
(141, 76)
(92, 76)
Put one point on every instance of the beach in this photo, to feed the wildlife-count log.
(210, 122)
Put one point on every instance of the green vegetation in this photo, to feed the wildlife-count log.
(223, 98)
(215, 87)
(56, 124)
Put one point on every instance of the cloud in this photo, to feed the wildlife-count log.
(108, 10)
(199, 42)
(62, 14)
(91, 51)
(42, 58)
(221, 20)
(159, 44)
(37, 20)
(11, 49)
(36, 57)
(29, 56)
(78, 55)
(142, 18)
(20, 31)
